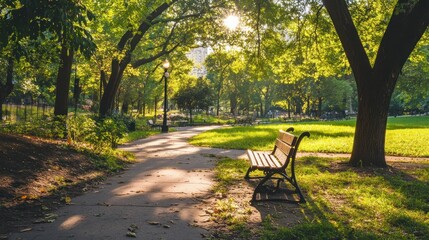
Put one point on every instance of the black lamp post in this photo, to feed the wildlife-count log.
(165, 65)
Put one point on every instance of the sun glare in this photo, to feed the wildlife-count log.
(231, 22)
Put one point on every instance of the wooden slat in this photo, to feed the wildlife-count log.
(263, 159)
(275, 161)
(258, 158)
(285, 148)
(288, 138)
(252, 158)
(280, 156)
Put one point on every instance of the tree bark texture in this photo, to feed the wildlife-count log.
(375, 84)
(63, 81)
(6, 89)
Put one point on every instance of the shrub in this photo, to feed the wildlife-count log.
(107, 133)
(80, 128)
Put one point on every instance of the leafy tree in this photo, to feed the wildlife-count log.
(218, 64)
(62, 20)
(376, 82)
(195, 96)
(130, 40)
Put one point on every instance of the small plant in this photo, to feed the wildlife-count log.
(80, 128)
(108, 132)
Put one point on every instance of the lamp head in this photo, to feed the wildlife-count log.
(166, 64)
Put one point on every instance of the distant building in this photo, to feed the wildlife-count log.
(198, 56)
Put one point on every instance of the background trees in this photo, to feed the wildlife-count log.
(285, 55)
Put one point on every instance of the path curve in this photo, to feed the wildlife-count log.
(158, 197)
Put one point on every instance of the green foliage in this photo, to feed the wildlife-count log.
(406, 136)
(63, 20)
(198, 95)
(51, 127)
(80, 128)
(107, 134)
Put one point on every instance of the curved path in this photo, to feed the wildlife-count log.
(156, 198)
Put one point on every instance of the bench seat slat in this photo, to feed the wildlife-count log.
(263, 157)
(252, 158)
(258, 159)
(277, 164)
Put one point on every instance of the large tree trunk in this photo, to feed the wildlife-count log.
(130, 39)
(369, 139)
(63, 81)
(6, 89)
(233, 104)
(375, 84)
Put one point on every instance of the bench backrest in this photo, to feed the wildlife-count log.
(284, 148)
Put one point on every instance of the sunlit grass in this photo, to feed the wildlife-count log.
(406, 136)
(352, 203)
(132, 136)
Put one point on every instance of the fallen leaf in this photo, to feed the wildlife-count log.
(67, 200)
(153, 223)
(131, 234)
(132, 228)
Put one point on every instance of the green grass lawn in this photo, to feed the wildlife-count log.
(406, 136)
(347, 203)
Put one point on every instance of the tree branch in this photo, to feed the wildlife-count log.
(406, 27)
(142, 61)
(349, 38)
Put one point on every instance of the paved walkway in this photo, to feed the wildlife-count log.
(157, 198)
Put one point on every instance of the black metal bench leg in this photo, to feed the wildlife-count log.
(248, 172)
(294, 183)
(266, 178)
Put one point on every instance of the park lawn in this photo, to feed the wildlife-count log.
(343, 202)
(405, 136)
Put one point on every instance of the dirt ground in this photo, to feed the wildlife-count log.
(36, 177)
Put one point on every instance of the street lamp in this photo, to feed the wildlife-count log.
(165, 65)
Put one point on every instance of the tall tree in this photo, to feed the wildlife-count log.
(62, 20)
(6, 85)
(197, 95)
(218, 64)
(375, 83)
(127, 44)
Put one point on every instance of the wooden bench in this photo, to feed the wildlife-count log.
(278, 165)
(152, 124)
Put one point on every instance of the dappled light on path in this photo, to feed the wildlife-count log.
(161, 196)
(72, 222)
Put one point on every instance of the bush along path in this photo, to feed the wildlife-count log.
(162, 196)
